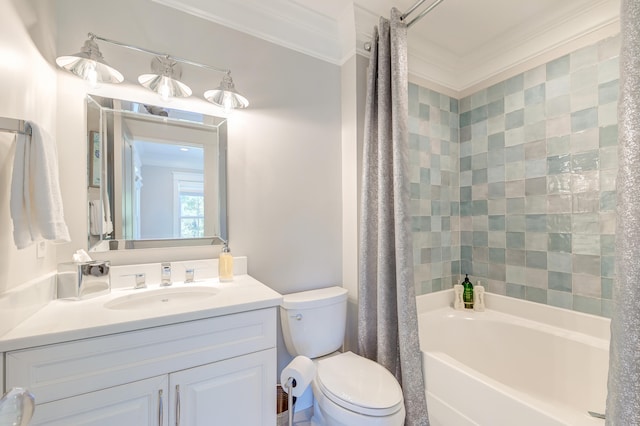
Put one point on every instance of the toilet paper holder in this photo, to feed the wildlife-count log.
(291, 383)
(296, 377)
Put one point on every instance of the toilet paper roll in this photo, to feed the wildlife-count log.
(302, 370)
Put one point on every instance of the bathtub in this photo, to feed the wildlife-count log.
(516, 364)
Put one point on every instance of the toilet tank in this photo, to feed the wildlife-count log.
(313, 322)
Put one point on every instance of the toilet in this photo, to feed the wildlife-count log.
(348, 390)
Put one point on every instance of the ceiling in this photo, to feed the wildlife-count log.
(459, 46)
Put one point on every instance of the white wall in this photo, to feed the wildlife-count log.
(27, 91)
(284, 152)
(156, 196)
(353, 105)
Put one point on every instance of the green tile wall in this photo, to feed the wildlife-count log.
(515, 184)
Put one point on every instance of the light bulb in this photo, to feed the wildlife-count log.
(227, 103)
(91, 75)
(164, 90)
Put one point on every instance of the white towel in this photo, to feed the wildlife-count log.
(107, 226)
(36, 200)
(18, 204)
(99, 218)
(95, 217)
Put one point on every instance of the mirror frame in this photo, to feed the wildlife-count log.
(126, 244)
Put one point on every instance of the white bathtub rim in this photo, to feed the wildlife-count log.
(579, 322)
(491, 315)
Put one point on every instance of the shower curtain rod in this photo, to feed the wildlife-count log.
(404, 16)
(421, 14)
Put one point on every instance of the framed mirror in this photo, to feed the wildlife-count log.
(156, 177)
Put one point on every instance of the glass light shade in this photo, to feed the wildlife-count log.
(165, 86)
(226, 95)
(89, 65)
(164, 79)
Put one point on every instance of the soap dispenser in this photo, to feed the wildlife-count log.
(225, 264)
(467, 294)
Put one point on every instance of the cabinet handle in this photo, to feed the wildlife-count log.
(160, 409)
(177, 405)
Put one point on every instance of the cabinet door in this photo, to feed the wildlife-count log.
(239, 391)
(140, 403)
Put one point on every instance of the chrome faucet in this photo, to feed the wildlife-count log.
(165, 274)
(189, 275)
(140, 281)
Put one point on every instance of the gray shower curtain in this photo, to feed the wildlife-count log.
(387, 318)
(623, 398)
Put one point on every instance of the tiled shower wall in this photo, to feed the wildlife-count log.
(434, 166)
(537, 167)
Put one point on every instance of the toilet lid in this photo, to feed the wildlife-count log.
(359, 384)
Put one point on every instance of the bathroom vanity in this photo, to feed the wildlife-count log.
(189, 354)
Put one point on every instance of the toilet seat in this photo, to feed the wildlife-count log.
(359, 384)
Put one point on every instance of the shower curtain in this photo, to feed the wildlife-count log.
(387, 318)
(623, 398)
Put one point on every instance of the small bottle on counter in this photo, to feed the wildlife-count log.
(467, 294)
(458, 302)
(478, 297)
(225, 264)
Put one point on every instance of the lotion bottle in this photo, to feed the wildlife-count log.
(225, 265)
(458, 301)
(478, 297)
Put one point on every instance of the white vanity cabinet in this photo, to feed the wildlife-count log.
(213, 371)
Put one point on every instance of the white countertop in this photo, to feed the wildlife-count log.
(65, 320)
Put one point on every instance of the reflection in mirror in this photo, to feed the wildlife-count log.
(156, 176)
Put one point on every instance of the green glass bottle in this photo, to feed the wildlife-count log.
(467, 293)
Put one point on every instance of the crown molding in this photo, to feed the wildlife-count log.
(515, 51)
(568, 30)
(283, 22)
(294, 24)
(569, 45)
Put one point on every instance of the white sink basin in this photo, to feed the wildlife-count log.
(162, 298)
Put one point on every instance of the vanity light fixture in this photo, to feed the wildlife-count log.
(89, 65)
(226, 95)
(164, 79)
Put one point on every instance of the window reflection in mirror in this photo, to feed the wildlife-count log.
(156, 176)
